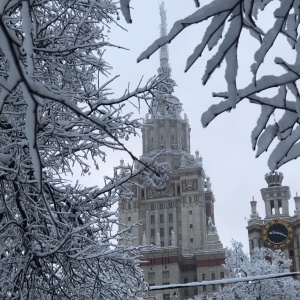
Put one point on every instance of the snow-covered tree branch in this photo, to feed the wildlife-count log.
(56, 112)
(262, 261)
(227, 22)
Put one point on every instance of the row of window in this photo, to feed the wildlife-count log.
(164, 261)
(161, 205)
(173, 147)
(166, 274)
(161, 218)
(130, 205)
(162, 137)
(213, 276)
(161, 232)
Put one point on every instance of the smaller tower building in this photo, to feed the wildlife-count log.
(279, 229)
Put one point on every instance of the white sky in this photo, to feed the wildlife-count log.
(225, 144)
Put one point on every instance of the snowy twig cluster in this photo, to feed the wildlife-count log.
(262, 261)
(56, 240)
(226, 22)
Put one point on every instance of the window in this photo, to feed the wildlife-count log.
(272, 207)
(170, 230)
(213, 287)
(204, 288)
(152, 219)
(185, 280)
(162, 244)
(191, 212)
(186, 292)
(195, 278)
(191, 225)
(222, 275)
(129, 218)
(166, 274)
(170, 205)
(152, 232)
(129, 206)
(170, 217)
(191, 240)
(291, 252)
(161, 218)
(161, 232)
(203, 276)
(143, 193)
(151, 275)
(195, 291)
(166, 297)
(152, 206)
(213, 276)
(161, 206)
(178, 189)
(190, 199)
(280, 206)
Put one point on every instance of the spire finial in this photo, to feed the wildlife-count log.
(164, 71)
(164, 53)
(163, 17)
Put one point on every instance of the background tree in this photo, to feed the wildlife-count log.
(226, 22)
(262, 261)
(55, 113)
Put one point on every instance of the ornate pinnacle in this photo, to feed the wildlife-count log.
(164, 54)
(163, 17)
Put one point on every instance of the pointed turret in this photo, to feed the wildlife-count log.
(164, 68)
(165, 103)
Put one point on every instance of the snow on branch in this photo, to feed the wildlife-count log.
(226, 22)
(57, 112)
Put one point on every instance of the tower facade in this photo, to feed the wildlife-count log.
(279, 229)
(178, 220)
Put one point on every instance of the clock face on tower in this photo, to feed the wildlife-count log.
(277, 234)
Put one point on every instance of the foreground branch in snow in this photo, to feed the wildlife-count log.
(227, 21)
(56, 239)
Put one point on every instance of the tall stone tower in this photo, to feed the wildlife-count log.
(179, 220)
(279, 229)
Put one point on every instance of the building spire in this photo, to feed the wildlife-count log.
(164, 52)
(164, 102)
(164, 70)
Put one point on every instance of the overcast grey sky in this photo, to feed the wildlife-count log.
(225, 144)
